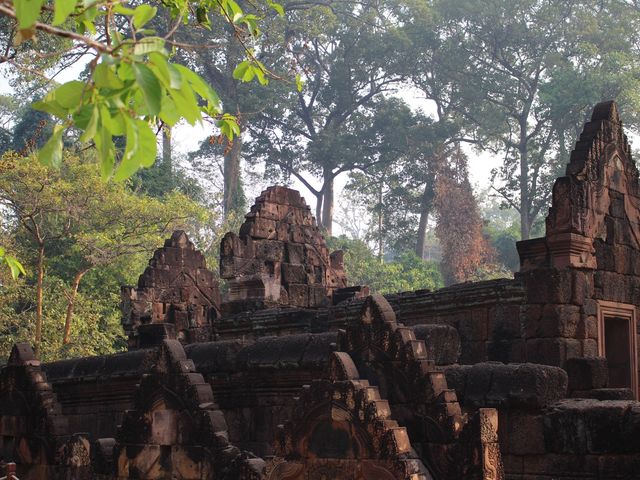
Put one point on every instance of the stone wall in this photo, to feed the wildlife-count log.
(485, 314)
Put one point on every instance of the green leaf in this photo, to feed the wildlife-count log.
(147, 144)
(202, 16)
(201, 87)
(63, 8)
(140, 151)
(82, 117)
(241, 69)
(122, 10)
(128, 164)
(229, 126)
(142, 14)
(186, 104)
(277, 7)
(92, 126)
(114, 123)
(166, 73)
(125, 72)
(150, 87)
(15, 266)
(27, 12)
(69, 95)
(148, 45)
(105, 150)
(52, 107)
(105, 76)
(169, 113)
(51, 154)
(299, 83)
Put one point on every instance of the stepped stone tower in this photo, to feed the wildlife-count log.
(176, 295)
(280, 258)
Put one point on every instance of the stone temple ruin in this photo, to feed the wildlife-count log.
(296, 375)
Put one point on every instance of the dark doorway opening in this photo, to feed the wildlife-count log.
(617, 350)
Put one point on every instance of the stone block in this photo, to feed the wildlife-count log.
(589, 348)
(587, 373)
(260, 228)
(442, 342)
(582, 287)
(269, 250)
(317, 296)
(605, 394)
(293, 273)
(552, 351)
(294, 253)
(474, 352)
(531, 316)
(507, 351)
(298, 294)
(473, 329)
(523, 433)
(548, 285)
(559, 321)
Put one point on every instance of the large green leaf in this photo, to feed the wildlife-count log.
(63, 8)
(128, 163)
(15, 266)
(27, 12)
(105, 77)
(142, 14)
(148, 45)
(201, 87)
(69, 95)
(51, 153)
(147, 144)
(105, 150)
(150, 87)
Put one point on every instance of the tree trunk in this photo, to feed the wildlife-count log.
(327, 207)
(232, 177)
(39, 287)
(380, 224)
(525, 201)
(71, 304)
(425, 210)
(319, 209)
(167, 160)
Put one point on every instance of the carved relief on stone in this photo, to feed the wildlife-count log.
(343, 429)
(600, 163)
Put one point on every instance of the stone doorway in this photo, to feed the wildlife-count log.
(617, 343)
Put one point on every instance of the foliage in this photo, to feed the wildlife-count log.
(520, 79)
(96, 330)
(132, 85)
(406, 272)
(69, 222)
(345, 51)
(459, 226)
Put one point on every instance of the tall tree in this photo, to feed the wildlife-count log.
(511, 58)
(70, 214)
(458, 222)
(346, 51)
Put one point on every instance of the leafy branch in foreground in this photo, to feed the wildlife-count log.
(133, 87)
